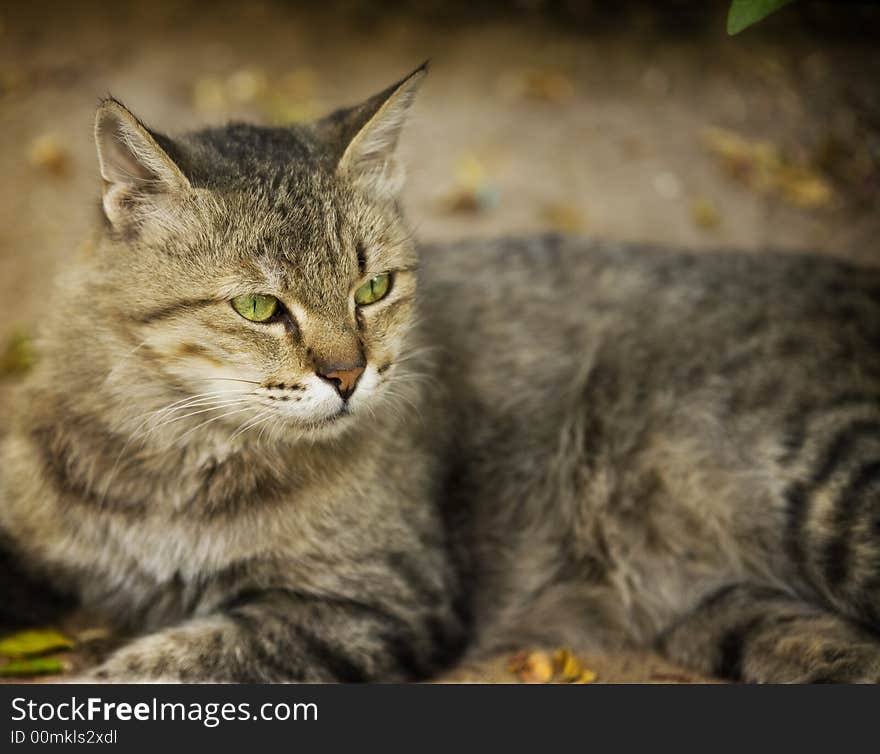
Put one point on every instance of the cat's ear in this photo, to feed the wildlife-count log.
(133, 166)
(367, 136)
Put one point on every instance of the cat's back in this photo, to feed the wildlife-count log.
(552, 295)
(531, 327)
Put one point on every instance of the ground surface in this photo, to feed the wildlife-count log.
(535, 117)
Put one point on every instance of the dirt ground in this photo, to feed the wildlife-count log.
(634, 121)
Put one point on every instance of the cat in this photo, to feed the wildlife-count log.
(271, 438)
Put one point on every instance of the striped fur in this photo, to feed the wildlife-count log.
(555, 439)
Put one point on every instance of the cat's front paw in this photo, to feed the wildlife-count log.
(189, 653)
(177, 655)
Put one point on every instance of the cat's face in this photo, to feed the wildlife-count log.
(261, 286)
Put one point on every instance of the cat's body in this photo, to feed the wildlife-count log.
(559, 440)
(636, 427)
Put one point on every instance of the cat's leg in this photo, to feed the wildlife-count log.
(762, 635)
(285, 635)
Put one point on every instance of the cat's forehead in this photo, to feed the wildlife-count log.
(295, 240)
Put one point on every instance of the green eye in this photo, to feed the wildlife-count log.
(373, 290)
(256, 307)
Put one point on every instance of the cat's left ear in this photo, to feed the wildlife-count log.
(137, 171)
(367, 136)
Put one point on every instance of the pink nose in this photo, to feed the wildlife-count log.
(344, 377)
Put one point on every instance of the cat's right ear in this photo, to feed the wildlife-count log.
(135, 169)
(363, 139)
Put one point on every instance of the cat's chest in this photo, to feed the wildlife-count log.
(194, 543)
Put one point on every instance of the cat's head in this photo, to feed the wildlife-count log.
(258, 275)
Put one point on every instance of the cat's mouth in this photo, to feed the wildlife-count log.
(343, 411)
(327, 426)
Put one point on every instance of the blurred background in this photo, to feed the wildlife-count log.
(628, 120)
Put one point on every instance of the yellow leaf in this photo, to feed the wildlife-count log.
(563, 217)
(804, 189)
(704, 213)
(562, 666)
(532, 667)
(540, 85)
(49, 155)
(567, 666)
(588, 676)
(761, 166)
(34, 642)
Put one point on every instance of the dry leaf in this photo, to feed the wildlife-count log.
(532, 667)
(566, 665)
(46, 153)
(587, 676)
(538, 85)
(804, 188)
(475, 193)
(704, 213)
(761, 166)
(564, 217)
(562, 666)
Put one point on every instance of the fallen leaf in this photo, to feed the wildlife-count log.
(804, 188)
(34, 642)
(46, 153)
(562, 666)
(246, 85)
(761, 166)
(564, 217)
(588, 676)
(474, 192)
(532, 667)
(32, 666)
(539, 85)
(704, 213)
(566, 665)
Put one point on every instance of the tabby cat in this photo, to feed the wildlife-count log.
(254, 446)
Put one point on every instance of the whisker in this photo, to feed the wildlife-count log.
(175, 419)
(228, 379)
(260, 417)
(209, 421)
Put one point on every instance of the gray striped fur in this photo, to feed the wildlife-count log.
(556, 440)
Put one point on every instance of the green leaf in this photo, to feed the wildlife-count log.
(32, 666)
(34, 642)
(744, 13)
